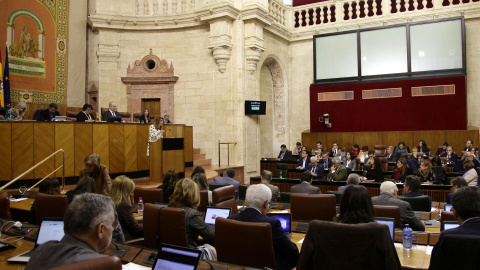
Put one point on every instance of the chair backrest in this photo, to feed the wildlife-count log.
(215, 186)
(202, 207)
(285, 197)
(72, 114)
(281, 167)
(136, 117)
(420, 203)
(233, 241)
(151, 219)
(384, 163)
(104, 263)
(331, 245)
(389, 211)
(338, 195)
(172, 227)
(50, 206)
(149, 195)
(380, 150)
(36, 114)
(446, 216)
(359, 164)
(126, 116)
(5, 206)
(225, 197)
(313, 206)
(456, 252)
(242, 192)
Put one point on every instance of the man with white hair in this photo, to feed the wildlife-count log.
(353, 179)
(111, 112)
(388, 196)
(315, 169)
(266, 179)
(391, 156)
(257, 200)
(337, 172)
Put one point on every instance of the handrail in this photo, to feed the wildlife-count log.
(228, 151)
(38, 164)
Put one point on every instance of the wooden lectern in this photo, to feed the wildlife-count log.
(166, 154)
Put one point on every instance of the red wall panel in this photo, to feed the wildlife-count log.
(441, 112)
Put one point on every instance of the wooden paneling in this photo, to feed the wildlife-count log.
(130, 146)
(458, 138)
(64, 139)
(100, 143)
(156, 157)
(6, 151)
(83, 144)
(173, 131)
(22, 149)
(173, 160)
(117, 151)
(188, 143)
(393, 138)
(369, 139)
(44, 145)
(142, 143)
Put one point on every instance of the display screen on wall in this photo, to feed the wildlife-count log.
(415, 50)
(255, 107)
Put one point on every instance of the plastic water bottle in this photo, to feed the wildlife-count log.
(140, 207)
(281, 175)
(407, 237)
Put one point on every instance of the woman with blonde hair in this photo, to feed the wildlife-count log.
(17, 113)
(98, 172)
(425, 173)
(122, 188)
(156, 132)
(187, 196)
(201, 180)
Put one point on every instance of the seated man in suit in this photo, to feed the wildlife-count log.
(341, 155)
(467, 156)
(298, 149)
(391, 156)
(457, 182)
(337, 172)
(371, 154)
(49, 114)
(411, 187)
(353, 179)
(304, 161)
(315, 169)
(334, 150)
(166, 120)
(326, 161)
(89, 223)
(111, 112)
(284, 155)
(468, 145)
(451, 156)
(266, 178)
(305, 185)
(388, 196)
(257, 200)
(230, 172)
(318, 149)
(442, 150)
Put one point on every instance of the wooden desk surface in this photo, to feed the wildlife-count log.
(22, 246)
(24, 205)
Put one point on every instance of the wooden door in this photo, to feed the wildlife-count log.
(153, 106)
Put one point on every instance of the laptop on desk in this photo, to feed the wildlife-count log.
(179, 258)
(390, 222)
(50, 229)
(285, 220)
(213, 212)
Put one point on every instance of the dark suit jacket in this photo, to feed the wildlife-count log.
(44, 115)
(318, 170)
(300, 162)
(82, 117)
(414, 194)
(459, 165)
(453, 158)
(305, 187)
(340, 174)
(286, 252)
(143, 120)
(406, 213)
(439, 151)
(392, 158)
(286, 157)
(329, 163)
(469, 227)
(107, 115)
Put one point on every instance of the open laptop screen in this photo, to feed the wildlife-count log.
(447, 207)
(450, 225)
(179, 258)
(50, 230)
(214, 212)
(285, 220)
(390, 222)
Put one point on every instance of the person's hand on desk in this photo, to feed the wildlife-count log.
(299, 168)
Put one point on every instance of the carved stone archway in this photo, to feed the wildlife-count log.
(151, 77)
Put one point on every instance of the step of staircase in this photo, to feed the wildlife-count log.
(202, 162)
(198, 156)
(196, 151)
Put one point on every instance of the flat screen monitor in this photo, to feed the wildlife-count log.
(255, 107)
(447, 207)
(450, 225)
(390, 222)
(174, 257)
(115, 119)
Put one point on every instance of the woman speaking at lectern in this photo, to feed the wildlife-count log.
(156, 132)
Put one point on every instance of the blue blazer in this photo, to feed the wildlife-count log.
(300, 162)
(329, 163)
(286, 252)
(318, 170)
(286, 157)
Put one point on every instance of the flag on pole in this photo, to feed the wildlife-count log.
(2, 102)
(6, 83)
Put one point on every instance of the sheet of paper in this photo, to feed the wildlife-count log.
(429, 250)
(301, 241)
(17, 200)
(134, 266)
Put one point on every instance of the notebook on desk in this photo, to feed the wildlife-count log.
(213, 212)
(179, 258)
(285, 220)
(390, 222)
(50, 229)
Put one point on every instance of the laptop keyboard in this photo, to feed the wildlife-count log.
(27, 254)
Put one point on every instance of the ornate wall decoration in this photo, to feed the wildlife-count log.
(36, 37)
(279, 101)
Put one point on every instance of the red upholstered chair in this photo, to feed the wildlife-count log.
(5, 206)
(313, 206)
(136, 117)
(202, 207)
(359, 165)
(389, 211)
(384, 163)
(173, 228)
(151, 219)
(233, 241)
(149, 195)
(225, 197)
(380, 150)
(50, 206)
(446, 216)
(105, 263)
(72, 116)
